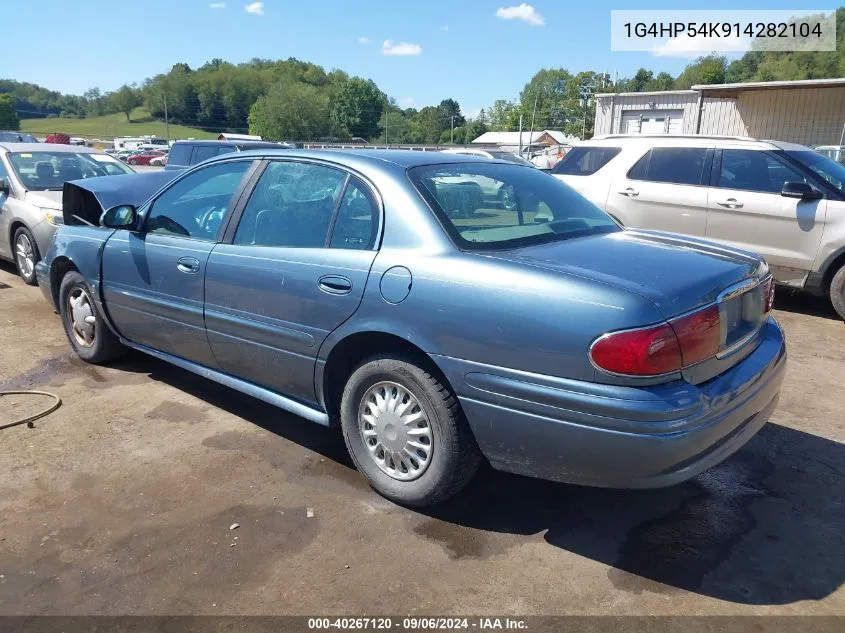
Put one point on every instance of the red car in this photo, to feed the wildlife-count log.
(143, 158)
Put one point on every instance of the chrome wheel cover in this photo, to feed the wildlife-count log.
(395, 430)
(24, 255)
(83, 323)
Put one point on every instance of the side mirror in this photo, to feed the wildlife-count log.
(801, 191)
(123, 216)
(4, 187)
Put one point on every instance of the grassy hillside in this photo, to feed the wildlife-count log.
(112, 125)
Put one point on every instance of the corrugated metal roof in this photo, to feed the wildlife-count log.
(658, 93)
(771, 85)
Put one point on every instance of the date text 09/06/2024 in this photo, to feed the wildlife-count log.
(417, 624)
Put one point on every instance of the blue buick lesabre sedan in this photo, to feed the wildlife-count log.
(441, 309)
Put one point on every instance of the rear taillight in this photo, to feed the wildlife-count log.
(660, 349)
(768, 295)
(645, 352)
(699, 335)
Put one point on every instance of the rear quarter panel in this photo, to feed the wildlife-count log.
(471, 307)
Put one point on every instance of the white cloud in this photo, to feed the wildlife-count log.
(524, 12)
(445, 27)
(217, 5)
(400, 48)
(255, 7)
(408, 101)
(691, 47)
(363, 40)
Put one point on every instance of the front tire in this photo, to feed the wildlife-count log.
(26, 254)
(90, 337)
(837, 292)
(406, 432)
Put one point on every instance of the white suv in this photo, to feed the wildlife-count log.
(782, 200)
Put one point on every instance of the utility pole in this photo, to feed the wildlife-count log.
(531, 132)
(520, 135)
(166, 120)
(452, 133)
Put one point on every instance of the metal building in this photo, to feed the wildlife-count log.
(810, 112)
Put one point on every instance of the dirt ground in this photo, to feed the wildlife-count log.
(121, 502)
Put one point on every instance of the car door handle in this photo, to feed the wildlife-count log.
(629, 192)
(188, 264)
(730, 203)
(335, 284)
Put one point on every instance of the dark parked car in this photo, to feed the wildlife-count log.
(184, 154)
(346, 287)
(16, 137)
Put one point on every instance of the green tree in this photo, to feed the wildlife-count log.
(8, 116)
(450, 109)
(125, 99)
(394, 126)
(503, 116)
(292, 112)
(357, 108)
(709, 69)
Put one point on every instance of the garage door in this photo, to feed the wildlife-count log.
(652, 122)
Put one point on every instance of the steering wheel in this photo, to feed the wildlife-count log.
(210, 220)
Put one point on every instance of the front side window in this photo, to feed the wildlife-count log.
(49, 171)
(754, 170)
(825, 168)
(673, 165)
(291, 206)
(584, 161)
(493, 205)
(196, 205)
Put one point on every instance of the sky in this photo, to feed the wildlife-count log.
(420, 52)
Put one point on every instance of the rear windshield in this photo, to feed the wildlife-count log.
(583, 161)
(46, 171)
(493, 205)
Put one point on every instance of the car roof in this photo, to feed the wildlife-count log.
(375, 157)
(48, 147)
(683, 140)
(236, 143)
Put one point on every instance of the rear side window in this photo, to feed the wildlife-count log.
(179, 155)
(292, 206)
(357, 218)
(583, 161)
(203, 152)
(674, 165)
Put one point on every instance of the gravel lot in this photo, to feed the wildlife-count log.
(121, 502)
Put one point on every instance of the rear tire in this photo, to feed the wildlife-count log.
(89, 335)
(416, 406)
(26, 254)
(837, 292)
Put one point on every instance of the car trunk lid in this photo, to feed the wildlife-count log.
(678, 274)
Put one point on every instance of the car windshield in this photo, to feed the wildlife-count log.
(492, 205)
(45, 171)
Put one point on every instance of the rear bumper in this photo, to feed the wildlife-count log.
(621, 437)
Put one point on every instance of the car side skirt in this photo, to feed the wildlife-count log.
(248, 388)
